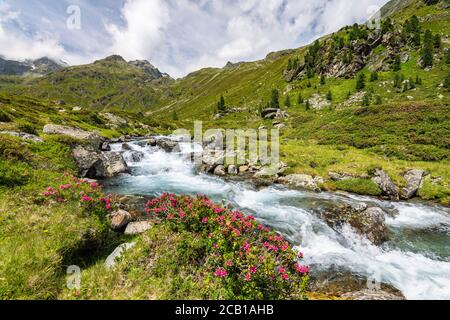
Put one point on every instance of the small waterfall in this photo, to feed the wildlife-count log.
(416, 260)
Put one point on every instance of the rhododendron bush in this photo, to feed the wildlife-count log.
(87, 193)
(249, 258)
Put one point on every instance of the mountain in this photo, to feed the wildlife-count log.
(40, 66)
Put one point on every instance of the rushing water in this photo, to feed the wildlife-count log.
(416, 260)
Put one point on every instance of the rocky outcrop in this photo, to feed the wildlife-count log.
(120, 219)
(95, 164)
(23, 135)
(388, 188)
(74, 132)
(138, 227)
(319, 102)
(274, 113)
(413, 180)
(137, 156)
(368, 222)
(232, 170)
(211, 159)
(302, 181)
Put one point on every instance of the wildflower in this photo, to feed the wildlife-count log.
(94, 184)
(221, 273)
(248, 277)
(285, 246)
(229, 263)
(108, 206)
(205, 220)
(218, 210)
(86, 199)
(182, 215)
(285, 276)
(253, 270)
(302, 269)
(281, 270)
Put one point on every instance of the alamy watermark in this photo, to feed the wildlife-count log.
(73, 279)
(73, 22)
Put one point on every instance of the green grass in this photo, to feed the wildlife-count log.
(359, 186)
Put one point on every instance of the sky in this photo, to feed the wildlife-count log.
(177, 36)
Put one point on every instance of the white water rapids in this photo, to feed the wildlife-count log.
(416, 260)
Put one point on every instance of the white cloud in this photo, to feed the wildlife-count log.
(181, 36)
(16, 45)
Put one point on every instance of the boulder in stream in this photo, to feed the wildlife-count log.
(413, 180)
(386, 185)
(368, 222)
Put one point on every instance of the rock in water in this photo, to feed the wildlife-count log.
(134, 228)
(372, 295)
(232, 169)
(386, 185)
(117, 253)
(220, 171)
(137, 156)
(369, 222)
(413, 182)
(120, 219)
(111, 164)
(168, 145)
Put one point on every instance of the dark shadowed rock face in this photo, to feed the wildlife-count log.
(40, 66)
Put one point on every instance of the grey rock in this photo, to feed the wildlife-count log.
(134, 228)
(152, 142)
(232, 170)
(120, 219)
(368, 222)
(137, 156)
(168, 145)
(117, 253)
(220, 171)
(386, 185)
(105, 146)
(126, 147)
(303, 181)
(73, 132)
(85, 160)
(413, 180)
(111, 164)
(23, 135)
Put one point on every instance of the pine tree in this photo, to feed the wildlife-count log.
(322, 80)
(447, 82)
(396, 66)
(418, 80)
(437, 41)
(427, 52)
(366, 100)
(275, 99)
(307, 105)
(287, 102)
(221, 105)
(361, 82)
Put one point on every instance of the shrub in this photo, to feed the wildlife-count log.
(251, 260)
(12, 149)
(27, 128)
(13, 174)
(88, 194)
(359, 186)
(4, 117)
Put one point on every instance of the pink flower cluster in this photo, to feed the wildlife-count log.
(86, 192)
(240, 248)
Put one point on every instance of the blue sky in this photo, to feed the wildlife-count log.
(177, 36)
